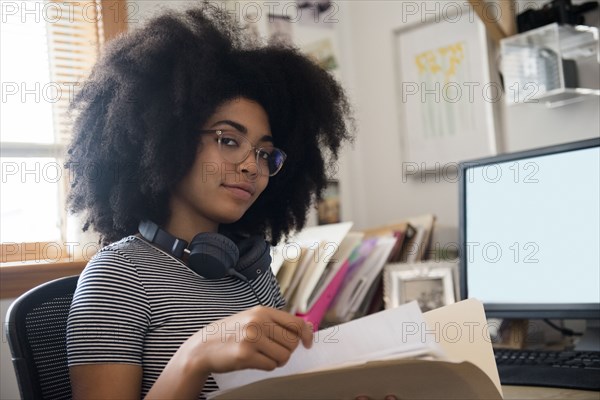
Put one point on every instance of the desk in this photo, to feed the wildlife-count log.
(539, 393)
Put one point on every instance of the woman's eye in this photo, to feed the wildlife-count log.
(264, 155)
(229, 141)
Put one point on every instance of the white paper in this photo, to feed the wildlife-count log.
(397, 331)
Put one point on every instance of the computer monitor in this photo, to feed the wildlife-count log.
(530, 232)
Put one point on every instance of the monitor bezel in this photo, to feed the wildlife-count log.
(524, 311)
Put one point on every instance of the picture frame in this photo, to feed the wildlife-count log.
(329, 208)
(322, 53)
(447, 101)
(280, 29)
(431, 283)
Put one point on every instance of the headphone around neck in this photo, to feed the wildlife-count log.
(213, 255)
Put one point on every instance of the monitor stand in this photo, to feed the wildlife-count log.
(590, 341)
(512, 334)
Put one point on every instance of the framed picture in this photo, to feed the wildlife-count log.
(318, 13)
(446, 98)
(431, 284)
(329, 207)
(322, 53)
(280, 29)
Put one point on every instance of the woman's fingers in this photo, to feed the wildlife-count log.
(290, 328)
(261, 338)
(264, 362)
(279, 335)
(276, 352)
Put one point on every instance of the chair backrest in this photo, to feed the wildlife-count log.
(36, 331)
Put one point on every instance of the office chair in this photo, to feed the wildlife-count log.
(36, 330)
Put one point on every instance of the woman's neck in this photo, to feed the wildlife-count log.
(186, 227)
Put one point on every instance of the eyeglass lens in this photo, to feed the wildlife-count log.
(235, 148)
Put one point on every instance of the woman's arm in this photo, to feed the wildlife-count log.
(179, 380)
(261, 337)
(106, 381)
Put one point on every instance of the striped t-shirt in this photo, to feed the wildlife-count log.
(135, 304)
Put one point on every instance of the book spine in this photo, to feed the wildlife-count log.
(318, 310)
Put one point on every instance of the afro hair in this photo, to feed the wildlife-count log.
(137, 116)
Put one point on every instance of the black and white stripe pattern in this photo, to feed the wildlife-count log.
(135, 304)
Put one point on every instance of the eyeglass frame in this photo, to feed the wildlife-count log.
(219, 133)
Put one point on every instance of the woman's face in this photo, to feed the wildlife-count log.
(215, 190)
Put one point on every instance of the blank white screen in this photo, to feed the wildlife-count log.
(533, 229)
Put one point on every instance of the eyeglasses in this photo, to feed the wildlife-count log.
(235, 147)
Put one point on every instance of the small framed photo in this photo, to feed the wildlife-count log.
(431, 284)
(280, 29)
(328, 208)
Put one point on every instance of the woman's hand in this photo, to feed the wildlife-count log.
(261, 338)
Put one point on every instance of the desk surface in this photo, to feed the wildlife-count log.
(539, 393)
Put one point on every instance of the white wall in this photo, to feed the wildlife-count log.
(380, 192)
(529, 125)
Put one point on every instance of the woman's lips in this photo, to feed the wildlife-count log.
(241, 191)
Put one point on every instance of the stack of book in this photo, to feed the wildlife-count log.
(330, 274)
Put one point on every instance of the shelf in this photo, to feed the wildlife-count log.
(561, 97)
(552, 65)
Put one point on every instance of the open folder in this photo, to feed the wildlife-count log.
(443, 354)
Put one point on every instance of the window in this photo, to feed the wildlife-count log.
(47, 50)
(26, 122)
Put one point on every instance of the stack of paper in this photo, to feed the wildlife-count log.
(390, 334)
(445, 353)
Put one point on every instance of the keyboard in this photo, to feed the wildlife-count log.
(564, 369)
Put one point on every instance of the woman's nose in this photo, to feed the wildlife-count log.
(248, 165)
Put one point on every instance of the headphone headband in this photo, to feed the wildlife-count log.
(169, 243)
(213, 255)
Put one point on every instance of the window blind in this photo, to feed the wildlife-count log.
(76, 32)
(66, 36)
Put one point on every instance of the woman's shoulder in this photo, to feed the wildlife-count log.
(120, 254)
(126, 249)
(131, 255)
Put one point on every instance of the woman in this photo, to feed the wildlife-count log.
(187, 134)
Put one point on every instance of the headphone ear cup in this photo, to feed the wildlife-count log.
(212, 255)
(255, 257)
